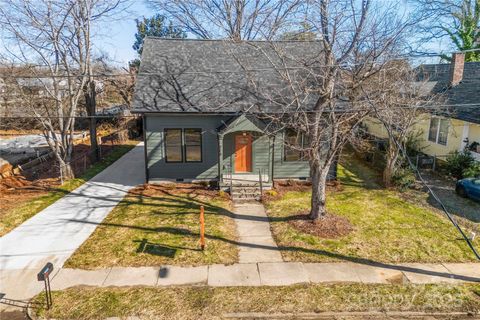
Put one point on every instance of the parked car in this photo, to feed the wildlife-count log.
(469, 187)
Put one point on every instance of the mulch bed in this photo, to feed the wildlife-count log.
(330, 226)
(192, 189)
(283, 187)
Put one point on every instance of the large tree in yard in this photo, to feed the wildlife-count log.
(316, 97)
(323, 101)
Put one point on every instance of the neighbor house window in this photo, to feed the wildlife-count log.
(173, 145)
(193, 145)
(294, 142)
(438, 132)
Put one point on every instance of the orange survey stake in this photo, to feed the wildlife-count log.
(202, 227)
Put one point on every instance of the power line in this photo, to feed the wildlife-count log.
(434, 195)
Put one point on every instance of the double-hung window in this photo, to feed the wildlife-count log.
(183, 145)
(193, 145)
(293, 147)
(438, 131)
(173, 145)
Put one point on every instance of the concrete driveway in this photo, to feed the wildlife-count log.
(445, 189)
(56, 232)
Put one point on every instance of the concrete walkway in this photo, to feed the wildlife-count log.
(269, 274)
(56, 232)
(253, 231)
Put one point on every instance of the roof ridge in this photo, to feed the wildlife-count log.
(223, 40)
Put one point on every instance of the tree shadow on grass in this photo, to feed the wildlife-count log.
(346, 258)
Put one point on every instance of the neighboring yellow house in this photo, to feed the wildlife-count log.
(441, 134)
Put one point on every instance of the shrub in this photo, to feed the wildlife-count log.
(271, 193)
(473, 171)
(458, 162)
(403, 178)
(222, 194)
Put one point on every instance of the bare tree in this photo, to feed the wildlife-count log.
(232, 19)
(317, 93)
(56, 36)
(399, 99)
(324, 99)
(121, 80)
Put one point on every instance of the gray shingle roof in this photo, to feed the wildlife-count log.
(217, 76)
(466, 92)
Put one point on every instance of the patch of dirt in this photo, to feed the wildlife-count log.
(191, 189)
(16, 190)
(283, 187)
(330, 227)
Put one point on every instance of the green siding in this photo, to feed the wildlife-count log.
(260, 152)
(292, 169)
(159, 169)
(208, 168)
(287, 169)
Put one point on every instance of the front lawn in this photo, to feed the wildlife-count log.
(157, 225)
(386, 228)
(220, 303)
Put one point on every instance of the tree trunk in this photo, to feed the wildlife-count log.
(319, 184)
(91, 104)
(388, 172)
(66, 171)
(390, 166)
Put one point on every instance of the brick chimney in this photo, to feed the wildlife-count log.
(456, 68)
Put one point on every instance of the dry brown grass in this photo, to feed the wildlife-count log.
(215, 303)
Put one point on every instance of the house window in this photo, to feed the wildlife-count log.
(173, 145)
(438, 132)
(193, 145)
(294, 142)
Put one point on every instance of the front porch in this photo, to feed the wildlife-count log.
(245, 155)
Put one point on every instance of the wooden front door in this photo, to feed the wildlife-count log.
(243, 153)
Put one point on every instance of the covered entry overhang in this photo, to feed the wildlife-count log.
(245, 151)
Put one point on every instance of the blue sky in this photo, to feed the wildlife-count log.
(116, 39)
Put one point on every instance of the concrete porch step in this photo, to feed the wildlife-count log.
(245, 189)
(246, 196)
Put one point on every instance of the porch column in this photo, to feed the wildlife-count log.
(220, 158)
(271, 149)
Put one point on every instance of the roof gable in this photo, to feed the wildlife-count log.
(243, 122)
(213, 75)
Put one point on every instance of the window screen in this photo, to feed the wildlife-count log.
(193, 145)
(432, 133)
(443, 132)
(173, 145)
(438, 132)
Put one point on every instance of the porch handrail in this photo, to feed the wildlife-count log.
(261, 184)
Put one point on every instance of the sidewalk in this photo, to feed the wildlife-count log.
(270, 274)
(56, 232)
